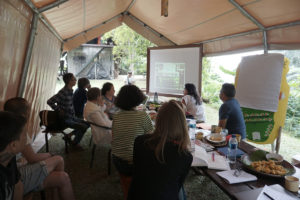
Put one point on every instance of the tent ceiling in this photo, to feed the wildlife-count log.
(188, 21)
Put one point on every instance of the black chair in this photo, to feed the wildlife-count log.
(53, 125)
(94, 149)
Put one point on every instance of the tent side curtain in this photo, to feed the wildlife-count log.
(15, 20)
(91, 34)
(42, 74)
(146, 32)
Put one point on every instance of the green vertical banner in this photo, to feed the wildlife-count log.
(259, 124)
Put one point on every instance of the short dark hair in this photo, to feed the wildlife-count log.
(106, 87)
(228, 89)
(67, 78)
(17, 105)
(93, 93)
(11, 127)
(82, 82)
(129, 97)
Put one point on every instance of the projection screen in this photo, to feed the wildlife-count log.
(169, 68)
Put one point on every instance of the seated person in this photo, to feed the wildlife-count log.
(129, 80)
(108, 97)
(12, 141)
(79, 97)
(162, 160)
(43, 170)
(93, 112)
(63, 103)
(193, 103)
(230, 113)
(127, 125)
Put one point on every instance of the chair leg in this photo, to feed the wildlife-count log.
(91, 140)
(109, 162)
(66, 143)
(47, 144)
(93, 155)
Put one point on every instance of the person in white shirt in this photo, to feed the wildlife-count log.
(94, 112)
(129, 80)
(193, 103)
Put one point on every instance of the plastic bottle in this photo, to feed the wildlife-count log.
(232, 148)
(155, 97)
(192, 129)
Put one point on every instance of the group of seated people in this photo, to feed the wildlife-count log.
(152, 162)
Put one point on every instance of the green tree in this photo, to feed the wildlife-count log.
(130, 52)
(226, 71)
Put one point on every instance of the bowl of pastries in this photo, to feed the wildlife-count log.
(258, 163)
(215, 138)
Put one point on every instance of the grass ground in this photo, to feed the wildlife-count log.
(290, 145)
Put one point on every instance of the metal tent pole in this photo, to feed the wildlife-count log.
(52, 5)
(28, 54)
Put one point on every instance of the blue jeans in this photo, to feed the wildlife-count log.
(79, 127)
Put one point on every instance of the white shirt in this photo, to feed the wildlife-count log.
(129, 80)
(196, 110)
(94, 113)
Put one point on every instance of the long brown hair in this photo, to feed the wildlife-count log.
(170, 126)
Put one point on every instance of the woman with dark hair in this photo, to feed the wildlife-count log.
(162, 160)
(193, 103)
(79, 97)
(108, 97)
(127, 125)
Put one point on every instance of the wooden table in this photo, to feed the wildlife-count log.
(233, 190)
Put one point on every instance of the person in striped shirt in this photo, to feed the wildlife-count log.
(63, 103)
(128, 123)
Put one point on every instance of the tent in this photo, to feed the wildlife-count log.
(34, 33)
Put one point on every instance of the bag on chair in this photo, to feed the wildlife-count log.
(52, 120)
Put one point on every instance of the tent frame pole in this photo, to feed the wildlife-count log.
(265, 42)
(151, 29)
(52, 5)
(29, 48)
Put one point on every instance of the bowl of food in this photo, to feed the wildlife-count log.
(215, 138)
(277, 158)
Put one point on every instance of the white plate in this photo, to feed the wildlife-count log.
(212, 141)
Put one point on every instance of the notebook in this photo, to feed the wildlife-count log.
(224, 151)
(229, 177)
(202, 158)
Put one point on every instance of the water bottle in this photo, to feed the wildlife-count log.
(232, 148)
(192, 129)
(155, 97)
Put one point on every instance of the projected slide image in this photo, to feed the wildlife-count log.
(170, 76)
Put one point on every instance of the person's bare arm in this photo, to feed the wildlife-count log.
(33, 157)
(18, 192)
(222, 123)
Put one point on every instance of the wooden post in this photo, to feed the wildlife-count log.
(164, 8)
(278, 140)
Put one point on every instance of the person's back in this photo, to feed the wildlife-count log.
(162, 160)
(235, 120)
(79, 96)
(230, 113)
(155, 180)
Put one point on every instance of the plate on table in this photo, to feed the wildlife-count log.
(257, 163)
(215, 138)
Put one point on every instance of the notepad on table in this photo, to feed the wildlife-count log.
(202, 158)
(230, 178)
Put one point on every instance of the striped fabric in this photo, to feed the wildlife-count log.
(127, 125)
(63, 100)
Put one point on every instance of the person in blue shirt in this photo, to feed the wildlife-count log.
(79, 96)
(230, 113)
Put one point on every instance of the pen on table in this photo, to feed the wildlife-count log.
(213, 157)
(268, 196)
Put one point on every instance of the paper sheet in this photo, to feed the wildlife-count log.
(259, 81)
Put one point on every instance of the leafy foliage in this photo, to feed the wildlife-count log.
(226, 71)
(130, 52)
